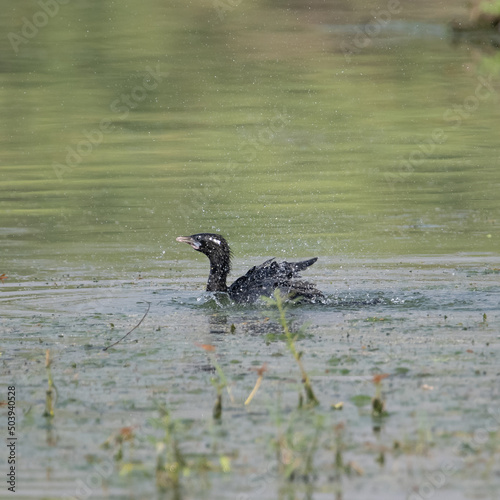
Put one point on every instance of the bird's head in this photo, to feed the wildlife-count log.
(214, 246)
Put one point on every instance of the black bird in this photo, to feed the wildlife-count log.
(260, 280)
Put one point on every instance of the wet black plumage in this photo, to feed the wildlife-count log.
(258, 281)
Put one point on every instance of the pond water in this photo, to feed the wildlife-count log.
(357, 132)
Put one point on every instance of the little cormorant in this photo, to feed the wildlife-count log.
(258, 281)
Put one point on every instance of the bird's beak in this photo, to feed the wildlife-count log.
(189, 241)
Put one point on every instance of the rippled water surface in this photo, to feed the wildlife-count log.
(361, 134)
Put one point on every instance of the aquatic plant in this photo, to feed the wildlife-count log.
(378, 409)
(279, 302)
(118, 439)
(260, 373)
(51, 393)
(340, 468)
(339, 449)
(171, 464)
(219, 383)
(378, 403)
(297, 445)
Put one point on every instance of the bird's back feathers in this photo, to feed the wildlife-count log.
(267, 277)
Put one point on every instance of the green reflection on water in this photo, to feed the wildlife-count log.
(169, 120)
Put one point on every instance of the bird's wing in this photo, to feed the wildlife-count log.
(264, 279)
